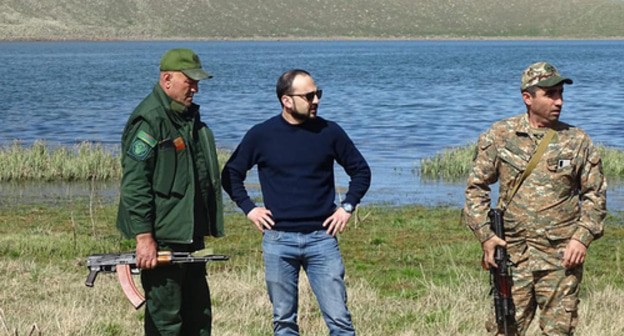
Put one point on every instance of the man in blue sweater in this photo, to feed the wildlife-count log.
(295, 154)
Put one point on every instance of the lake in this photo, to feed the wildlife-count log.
(400, 101)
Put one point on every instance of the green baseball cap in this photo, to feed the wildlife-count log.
(184, 60)
(542, 74)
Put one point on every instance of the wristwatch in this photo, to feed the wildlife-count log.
(348, 207)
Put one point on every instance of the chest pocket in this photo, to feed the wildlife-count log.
(515, 159)
(562, 169)
(170, 174)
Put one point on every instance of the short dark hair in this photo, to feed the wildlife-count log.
(284, 83)
(532, 90)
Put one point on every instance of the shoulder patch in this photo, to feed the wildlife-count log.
(141, 146)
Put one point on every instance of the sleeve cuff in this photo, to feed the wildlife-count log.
(483, 233)
(139, 227)
(583, 235)
(247, 206)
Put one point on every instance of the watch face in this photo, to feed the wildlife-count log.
(347, 207)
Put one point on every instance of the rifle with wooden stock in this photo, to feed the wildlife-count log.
(124, 264)
(500, 278)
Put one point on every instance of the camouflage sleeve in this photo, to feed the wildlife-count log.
(137, 159)
(482, 175)
(593, 194)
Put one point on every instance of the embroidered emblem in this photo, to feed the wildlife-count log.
(142, 146)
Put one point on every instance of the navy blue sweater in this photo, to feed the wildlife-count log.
(296, 171)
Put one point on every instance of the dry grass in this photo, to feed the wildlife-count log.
(411, 271)
(52, 301)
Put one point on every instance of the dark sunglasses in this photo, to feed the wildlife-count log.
(310, 95)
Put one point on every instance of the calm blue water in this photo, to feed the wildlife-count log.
(400, 101)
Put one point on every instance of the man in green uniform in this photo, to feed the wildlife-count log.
(555, 214)
(171, 196)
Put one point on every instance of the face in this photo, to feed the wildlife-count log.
(544, 109)
(297, 108)
(179, 87)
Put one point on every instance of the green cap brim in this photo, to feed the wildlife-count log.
(196, 74)
(552, 81)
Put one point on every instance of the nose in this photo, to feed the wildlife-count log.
(316, 99)
(558, 100)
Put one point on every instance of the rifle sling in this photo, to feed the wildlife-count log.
(537, 155)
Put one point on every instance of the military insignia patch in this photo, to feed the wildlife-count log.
(179, 143)
(142, 146)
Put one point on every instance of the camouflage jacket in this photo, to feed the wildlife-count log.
(563, 198)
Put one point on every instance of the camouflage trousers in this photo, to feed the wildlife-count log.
(555, 292)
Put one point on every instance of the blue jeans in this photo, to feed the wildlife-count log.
(318, 253)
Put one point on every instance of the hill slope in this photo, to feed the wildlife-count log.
(172, 19)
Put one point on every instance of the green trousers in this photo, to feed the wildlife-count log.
(177, 301)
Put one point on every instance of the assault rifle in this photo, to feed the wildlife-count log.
(124, 264)
(500, 279)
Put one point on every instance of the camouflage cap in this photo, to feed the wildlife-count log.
(542, 74)
(184, 60)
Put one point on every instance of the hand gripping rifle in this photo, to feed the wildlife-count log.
(500, 277)
(124, 264)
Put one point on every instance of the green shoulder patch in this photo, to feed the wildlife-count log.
(141, 146)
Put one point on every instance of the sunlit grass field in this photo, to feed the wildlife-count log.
(410, 271)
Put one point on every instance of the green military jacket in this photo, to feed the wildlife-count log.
(564, 197)
(158, 184)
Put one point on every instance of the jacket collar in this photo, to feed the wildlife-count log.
(523, 127)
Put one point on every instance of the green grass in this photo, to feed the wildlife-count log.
(454, 164)
(409, 270)
(40, 162)
(82, 162)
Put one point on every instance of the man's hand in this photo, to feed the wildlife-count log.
(337, 222)
(262, 218)
(489, 246)
(146, 251)
(574, 254)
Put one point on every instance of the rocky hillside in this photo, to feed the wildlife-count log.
(226, 19)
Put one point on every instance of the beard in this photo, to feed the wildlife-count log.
(309, 113)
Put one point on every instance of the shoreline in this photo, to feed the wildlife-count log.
(311, 38)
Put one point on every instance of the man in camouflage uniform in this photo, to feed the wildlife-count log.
(557, 211)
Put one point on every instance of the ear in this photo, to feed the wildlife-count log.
(286, 101)
(527, 98)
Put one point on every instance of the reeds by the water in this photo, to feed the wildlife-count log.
(454, 164)
(451, 164)
(40, 162)
(88, 161)
(85, 161)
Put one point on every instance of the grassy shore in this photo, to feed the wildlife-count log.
(454, 164)
(88, 161)
(85, 161)
(410, 271)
